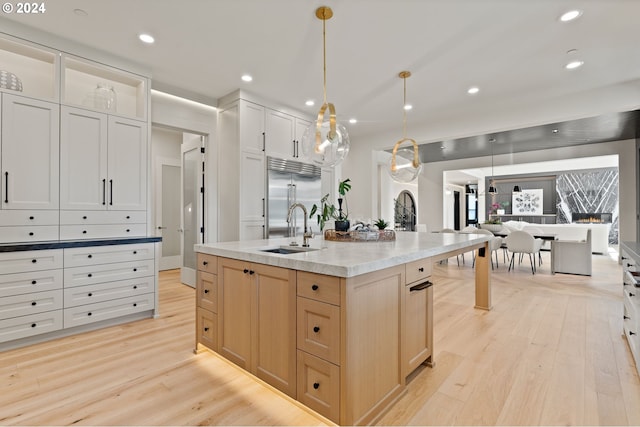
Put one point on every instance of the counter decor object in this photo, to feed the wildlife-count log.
(104, 97)
(359, 236)
(8, 80)
(327, 211)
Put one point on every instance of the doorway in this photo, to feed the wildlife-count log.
(456, 210)
(405, 212)
(167, 207)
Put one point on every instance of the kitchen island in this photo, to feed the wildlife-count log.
(337, 326)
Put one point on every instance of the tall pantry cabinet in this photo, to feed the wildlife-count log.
(74, 251)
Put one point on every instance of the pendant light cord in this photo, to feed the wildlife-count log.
(404, 110)
(324, 60)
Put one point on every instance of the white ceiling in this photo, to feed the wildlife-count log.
(513, 50)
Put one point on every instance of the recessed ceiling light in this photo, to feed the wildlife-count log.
(246, 78)
(574, 64)
(473, 90)
(80, 12)
(570, 15)
(408, 107)
(555, 131)
(146, 38)
(353, 121)
(310, 103)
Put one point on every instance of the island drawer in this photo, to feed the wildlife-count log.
(417, 270)
(207, 291)
(208, 263)
(207, 328)
(318, 329)
(318, 385)
(319, 287)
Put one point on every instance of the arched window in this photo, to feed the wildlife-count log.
(405, 212)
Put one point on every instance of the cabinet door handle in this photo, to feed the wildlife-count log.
(110, 192)
(6, 187)
(297, 149)
(421, 269)
(205, 262)
(632, 295)
(206, 329)
(293, 143)
(314, 287)
(316, 329)
(625, 317)
(245, 271)
(316, 385)
(631, 333)
(206, 291)
(104, 192)
(251, 272)
(263, 141)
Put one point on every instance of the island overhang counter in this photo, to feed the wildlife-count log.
(337, 327)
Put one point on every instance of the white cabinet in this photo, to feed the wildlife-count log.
(251, 124)
(29, 154)
(103, 160)
(284, 135)
(631, 298)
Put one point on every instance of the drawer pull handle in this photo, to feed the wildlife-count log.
(421, 286)
(33, 282)
(316, 329)
(631, 333)
(89, 314)
(629, 265)
(128, 230)
(316, 386)
(251, 272)
(89, 294)
(135, 286)
(89, 256)
(84, 217)
(205, 262)
(33, 325)
(128, 217)
(421, 269)
(632, 295)
(206, 291)
(89, 275)
(135, 269)
(34, 261)
(31, 233)
(245, 271)
(625, 317)
(206, 329)
(33, 303)
(31, 218)
(314, 287)
(84, 231)
(135, 305)
(135, 252)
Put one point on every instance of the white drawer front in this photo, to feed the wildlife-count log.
(75, 257)
(26, 326)
(102, 217)
(26, 217)
(90, 313)
(23, 305)
(23, 261)
(91, 274)
(33, 281)
(76, 232)
(100, 292)
(28, 233)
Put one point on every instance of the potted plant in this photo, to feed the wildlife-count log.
(381, 224)
(327, 211)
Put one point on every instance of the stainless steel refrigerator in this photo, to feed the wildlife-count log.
(289, 182)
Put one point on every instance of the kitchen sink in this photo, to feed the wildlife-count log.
(287, 250)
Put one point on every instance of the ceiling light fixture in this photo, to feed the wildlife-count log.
(404, 165)
(246, 78)
(573, 65)
(310, 103)
(570, 15)
(353, 121)
(574, 61)
(325, 142)
(473, 90)
(146, 38)
(492, 189)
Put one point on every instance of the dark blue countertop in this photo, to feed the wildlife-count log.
(62, 244)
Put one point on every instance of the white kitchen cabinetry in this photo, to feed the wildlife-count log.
(631, 298)
(29, 154)
(30, 293)
(284, 135)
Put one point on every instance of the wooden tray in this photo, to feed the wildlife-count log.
(359, 236)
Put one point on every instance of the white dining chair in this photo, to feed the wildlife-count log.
(521, 242)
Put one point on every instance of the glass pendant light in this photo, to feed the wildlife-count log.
(325, 142)
(404, 165)
(492, 189)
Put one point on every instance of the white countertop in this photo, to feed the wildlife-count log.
(346, 259)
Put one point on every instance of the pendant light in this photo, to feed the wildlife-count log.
(492, 189)
(325, 142)
(404, 165)
(516, 189)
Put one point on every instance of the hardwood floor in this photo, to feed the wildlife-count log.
(550, 352)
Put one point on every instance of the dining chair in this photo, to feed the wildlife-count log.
(535, 231)
(521, 242)
(452, 231)
(494, 245)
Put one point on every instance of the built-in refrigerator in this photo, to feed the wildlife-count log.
(288, 182)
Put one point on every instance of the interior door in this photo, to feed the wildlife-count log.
(192, 214)
(168, 212)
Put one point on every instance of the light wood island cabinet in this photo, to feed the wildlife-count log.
(334, 328)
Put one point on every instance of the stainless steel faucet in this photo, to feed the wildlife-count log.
(307, 233)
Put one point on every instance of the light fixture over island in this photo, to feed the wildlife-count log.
(337, 326)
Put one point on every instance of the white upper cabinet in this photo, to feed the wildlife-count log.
(98, 87)
(29, 155)
(33, 69)
(103, 160)
(280, 140)
(251, 122)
